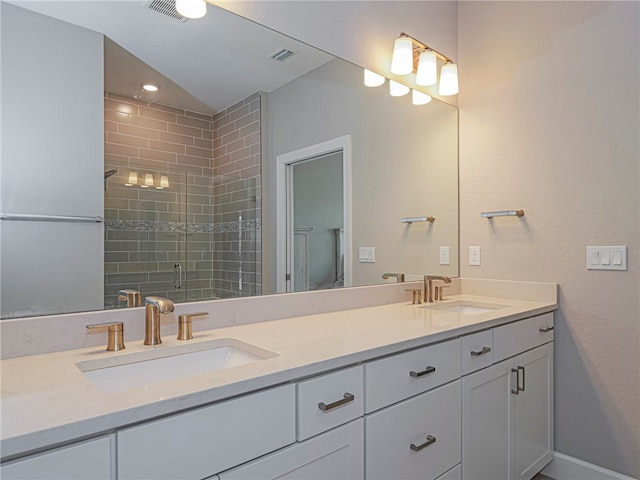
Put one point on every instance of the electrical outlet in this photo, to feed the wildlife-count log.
(367, 254)
(474, 255)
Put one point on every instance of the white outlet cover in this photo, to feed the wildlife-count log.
(444, 255)
(367, 254)
(474, 255)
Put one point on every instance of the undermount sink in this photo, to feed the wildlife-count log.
(465, 307)
(125, 371)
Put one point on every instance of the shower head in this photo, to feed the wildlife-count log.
(108, 173)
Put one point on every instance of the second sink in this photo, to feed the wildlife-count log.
(465, 307)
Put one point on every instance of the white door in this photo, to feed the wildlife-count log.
(534, 412)
(487, 423)
(313, 187)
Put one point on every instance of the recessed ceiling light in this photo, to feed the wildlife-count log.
(150, 87)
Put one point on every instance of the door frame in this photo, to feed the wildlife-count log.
(284, 239)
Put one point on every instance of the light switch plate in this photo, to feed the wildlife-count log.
(444, 255)
(607, 258)
(367, 254)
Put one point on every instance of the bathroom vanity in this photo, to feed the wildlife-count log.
(462, 388)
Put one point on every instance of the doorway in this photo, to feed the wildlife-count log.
(314, 217)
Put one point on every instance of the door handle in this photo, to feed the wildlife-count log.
(177, 276)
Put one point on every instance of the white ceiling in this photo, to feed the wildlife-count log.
(203, 65)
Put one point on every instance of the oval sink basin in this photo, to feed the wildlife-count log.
(465, 307)
(138, 370)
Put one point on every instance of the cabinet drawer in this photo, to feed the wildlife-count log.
(511, 339)
(543, 329)
(418, 438)
(199, 443)
(329, 400)
(477, 351)
(83, 461)
(395, 378)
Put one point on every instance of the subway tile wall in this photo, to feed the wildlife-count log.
(207, 220)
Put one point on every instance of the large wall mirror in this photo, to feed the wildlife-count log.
(107, 186)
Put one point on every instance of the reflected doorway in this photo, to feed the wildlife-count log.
(314, 220)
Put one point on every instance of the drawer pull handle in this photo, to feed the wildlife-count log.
(546, 329)
(430, 441)
(481, 352)
(346, 399)
(426, 371)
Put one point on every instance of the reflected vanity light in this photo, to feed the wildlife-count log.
(148, 180)
(191, 8)
(397, 89)
(132, 180)
(404, 62)
(164, 182)
(372, 79)
(419, 98)
(150, 87)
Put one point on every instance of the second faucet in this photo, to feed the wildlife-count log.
(154, 306)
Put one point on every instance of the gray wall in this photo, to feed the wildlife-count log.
(45, 151)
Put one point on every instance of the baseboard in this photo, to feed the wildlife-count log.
(564, 467)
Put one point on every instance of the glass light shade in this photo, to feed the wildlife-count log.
(132, 180)
(427, 73)
(402, 59)
(164, 182)
(397, 89)
(419, 98)
(448, 79)
(148, 180)
(191, 8)
(372, 79)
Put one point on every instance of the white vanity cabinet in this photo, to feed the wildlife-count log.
(507, 408)
(334, 455)
(201, 442)
(81, 461)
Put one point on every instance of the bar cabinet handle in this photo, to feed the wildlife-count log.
(426, 371)
(430, 441)
(348, 397)
(481, 352)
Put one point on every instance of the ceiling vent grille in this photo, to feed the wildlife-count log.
(166, 8)
(281, 55)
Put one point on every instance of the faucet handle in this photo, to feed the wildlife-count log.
(132, 297)
(416, 295)
(184, 324)
(115, 338)
(439, 294)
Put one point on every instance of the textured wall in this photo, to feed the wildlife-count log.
(549, 122)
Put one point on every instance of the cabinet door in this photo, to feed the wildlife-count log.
(84, 461)
(534, 412)
(487, 423)
(335, 455)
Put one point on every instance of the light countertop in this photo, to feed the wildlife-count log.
(46, 400)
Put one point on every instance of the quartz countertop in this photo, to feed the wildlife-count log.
(46, 400)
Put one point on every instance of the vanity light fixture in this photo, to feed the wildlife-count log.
(148, 180)
(132, 180)
(372, 79)
(419, 98)
(397, 89)
(191, 8)
(411, 55)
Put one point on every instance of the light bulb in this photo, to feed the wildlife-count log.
(133, 179)
(397, 89)
(150, 87)
(427, 73)
(402, 59)
(448, 79)
(419, 98)
(372, 79)
(191, 8)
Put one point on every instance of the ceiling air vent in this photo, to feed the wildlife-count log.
(281, 55)
(166, 8)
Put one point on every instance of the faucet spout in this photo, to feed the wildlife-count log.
(399, 276)
(428, 285)
(154, 306)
